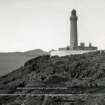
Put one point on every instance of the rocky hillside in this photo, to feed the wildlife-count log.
(79, 74)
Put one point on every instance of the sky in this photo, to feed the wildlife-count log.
(44, 24)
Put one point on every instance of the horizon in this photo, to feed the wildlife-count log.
(28, 25)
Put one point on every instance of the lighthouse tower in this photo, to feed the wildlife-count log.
(74, 48)
(73, 31)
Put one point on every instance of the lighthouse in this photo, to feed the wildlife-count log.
(73, 31)
(74, 48)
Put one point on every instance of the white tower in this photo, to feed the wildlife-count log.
(73, 31)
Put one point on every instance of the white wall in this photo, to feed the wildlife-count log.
(69, 52)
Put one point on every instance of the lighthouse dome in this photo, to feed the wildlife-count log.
(73, 12)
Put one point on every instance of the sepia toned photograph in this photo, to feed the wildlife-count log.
(52, 52)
